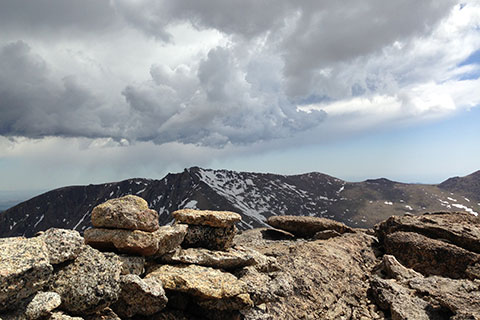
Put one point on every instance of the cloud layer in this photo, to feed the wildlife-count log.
(218, 73)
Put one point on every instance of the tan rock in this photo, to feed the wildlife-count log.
(429, 256)
(460, 229)
(170, 237)
(213, 288)
(42, 305)
(219, 219)
(132, 264)
(396, 270)
(302, 226)
(209, 237)
(24, 270)
(140, 296)
(63, 316)
(127, 241)
(229, 259)
(128, 212)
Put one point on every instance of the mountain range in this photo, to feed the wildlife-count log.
(256, 196)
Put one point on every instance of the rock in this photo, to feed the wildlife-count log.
(128, 241)
(320, 279)
(62, 244)
(262, 262)
(396, 270)
(62, 316)
(128, 212)
(264, 287)
(140, 296)
(306, 226)
(326, 234)
(132, 264)
(230, 259)
(170, 237)
(461, 297)
(212, 288)
(105, 314)
(400, 301)
(276, 234)
(89, 284)
(42, 305)
(24, 270)
(429, 256)
(219, 219)
(209, 237)
(460, 229)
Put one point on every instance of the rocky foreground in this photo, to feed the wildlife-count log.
(127, 266)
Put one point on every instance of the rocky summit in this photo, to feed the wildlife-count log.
(407, 267)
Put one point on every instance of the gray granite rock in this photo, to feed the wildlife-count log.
(169, 238)
(140, 296)
(42, 305)
(89, 284)
(62, 244)
(212, 238)
(24, 270)
(219, 219)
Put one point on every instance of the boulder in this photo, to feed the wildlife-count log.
(429, 256)
(62, 244)
(212, 238)
(89, 284)
(219, 219)
(460, 229)
(170, 237)
(402, 303)
(128, 241)
(306, 226)
(395, 270)
(128, 212)
(229, 259)
(42, 305)
(24, 270)
(461, 297)
(140, 296)
(211, 288)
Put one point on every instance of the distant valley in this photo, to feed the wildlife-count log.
(255, 196)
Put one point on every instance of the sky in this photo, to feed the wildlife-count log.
(95, 91)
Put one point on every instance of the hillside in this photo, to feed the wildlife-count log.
(256, 196)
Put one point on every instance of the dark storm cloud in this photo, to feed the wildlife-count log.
(33, 105)
(241, 92)
(54, 18)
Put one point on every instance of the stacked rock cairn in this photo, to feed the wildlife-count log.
(127, 266)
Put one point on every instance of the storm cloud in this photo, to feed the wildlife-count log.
(211, 73)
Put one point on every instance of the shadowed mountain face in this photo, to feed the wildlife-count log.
(255, 196)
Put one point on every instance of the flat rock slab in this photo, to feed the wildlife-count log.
(62, 244)
(212, 288)
(429, 256)
(212, 238)
(306, 226)
(230, 259)
(129, 212)
(461, 229)
(127, 241)
(24, 269)
(170, 237)
(221, 219)
(140, 296)
(89, 284)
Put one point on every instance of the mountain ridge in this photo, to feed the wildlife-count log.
(256, 196)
